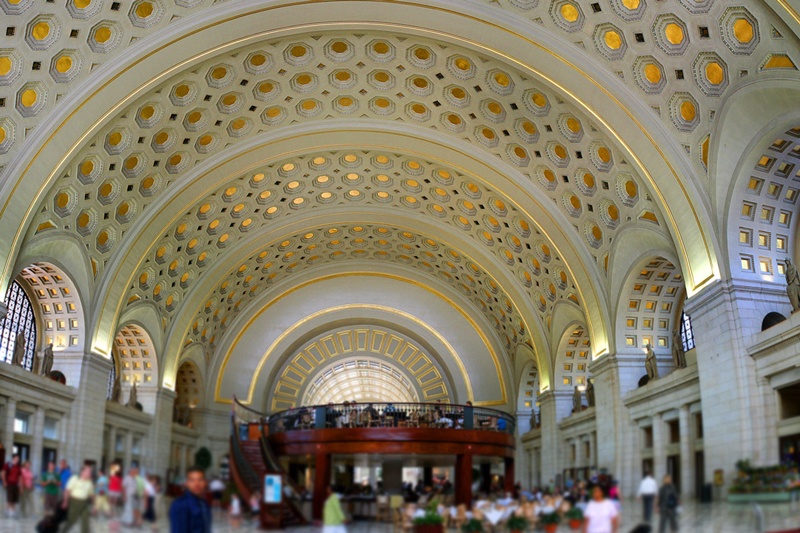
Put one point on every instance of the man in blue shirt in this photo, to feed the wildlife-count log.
(64, 473)
(190, 512)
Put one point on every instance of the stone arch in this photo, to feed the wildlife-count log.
(771, 319)
(138, 359)
(57, 306)
(572, 358)
(650, 307)
(528, 388)
(762, 218)
(757, 123)
(189, 394)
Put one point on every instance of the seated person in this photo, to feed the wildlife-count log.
(331, 416)
(390, 415)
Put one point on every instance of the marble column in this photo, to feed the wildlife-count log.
(659, 448)
(182, 459)
(112, 446)
(128, 449)
(88, 410)
(8, 431)
(160, 435)
(725, 317)
(615, 448)
(38, 440)
(687, 458)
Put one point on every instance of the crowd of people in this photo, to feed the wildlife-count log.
(68, 498)
(351, 414)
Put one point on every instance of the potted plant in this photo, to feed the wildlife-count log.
(517, 524)
(472, 526)
(550, 521)
(431, 521)
(575, 518)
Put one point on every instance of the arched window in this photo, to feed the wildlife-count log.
(687, 335)
(20, 319)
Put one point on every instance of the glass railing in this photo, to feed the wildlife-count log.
(392, 415)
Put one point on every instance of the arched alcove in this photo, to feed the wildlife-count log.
(771, 319)
(137, 356)
(188, 394)
(572, 358)
(650, 306)
(56, 306)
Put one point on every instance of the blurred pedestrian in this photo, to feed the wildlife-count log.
(190, 513)
(668, 506)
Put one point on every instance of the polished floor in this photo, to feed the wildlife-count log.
(695, 518)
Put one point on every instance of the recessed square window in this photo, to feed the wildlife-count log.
(745, 237)
(747, 263)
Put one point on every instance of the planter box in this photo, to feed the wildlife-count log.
(760, 497)
(432, 528)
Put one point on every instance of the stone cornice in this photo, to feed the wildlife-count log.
(125, 417)
(34, 385)
(532, 435)
(682, 378)
(776, 338)
(584, 418)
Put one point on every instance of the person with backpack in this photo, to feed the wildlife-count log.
(668, 505)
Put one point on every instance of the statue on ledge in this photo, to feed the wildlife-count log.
(793, 286)
(116, 391)
(534, 419)
(678, 355)
(132, 399)
(19, 350)
(650, 364)
(590, 392)
(577, 401)
(47, 360)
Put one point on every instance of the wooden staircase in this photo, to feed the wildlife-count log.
(251, 460)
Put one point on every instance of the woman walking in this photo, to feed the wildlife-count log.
(26, 490)
(601, 514)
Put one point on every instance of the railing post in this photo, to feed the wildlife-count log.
(469, 418)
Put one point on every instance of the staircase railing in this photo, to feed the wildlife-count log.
(241, 417)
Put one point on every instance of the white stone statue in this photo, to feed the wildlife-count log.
(590, 392)
(678, 355)
(793, 286)
(577, 400)
(47, 360)
(132, 399)
(650, 363)
(19, 350)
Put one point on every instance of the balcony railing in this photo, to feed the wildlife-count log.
(390, 416)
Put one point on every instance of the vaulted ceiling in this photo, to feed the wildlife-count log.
(196, 155)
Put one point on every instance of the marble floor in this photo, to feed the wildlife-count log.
(695, 518)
